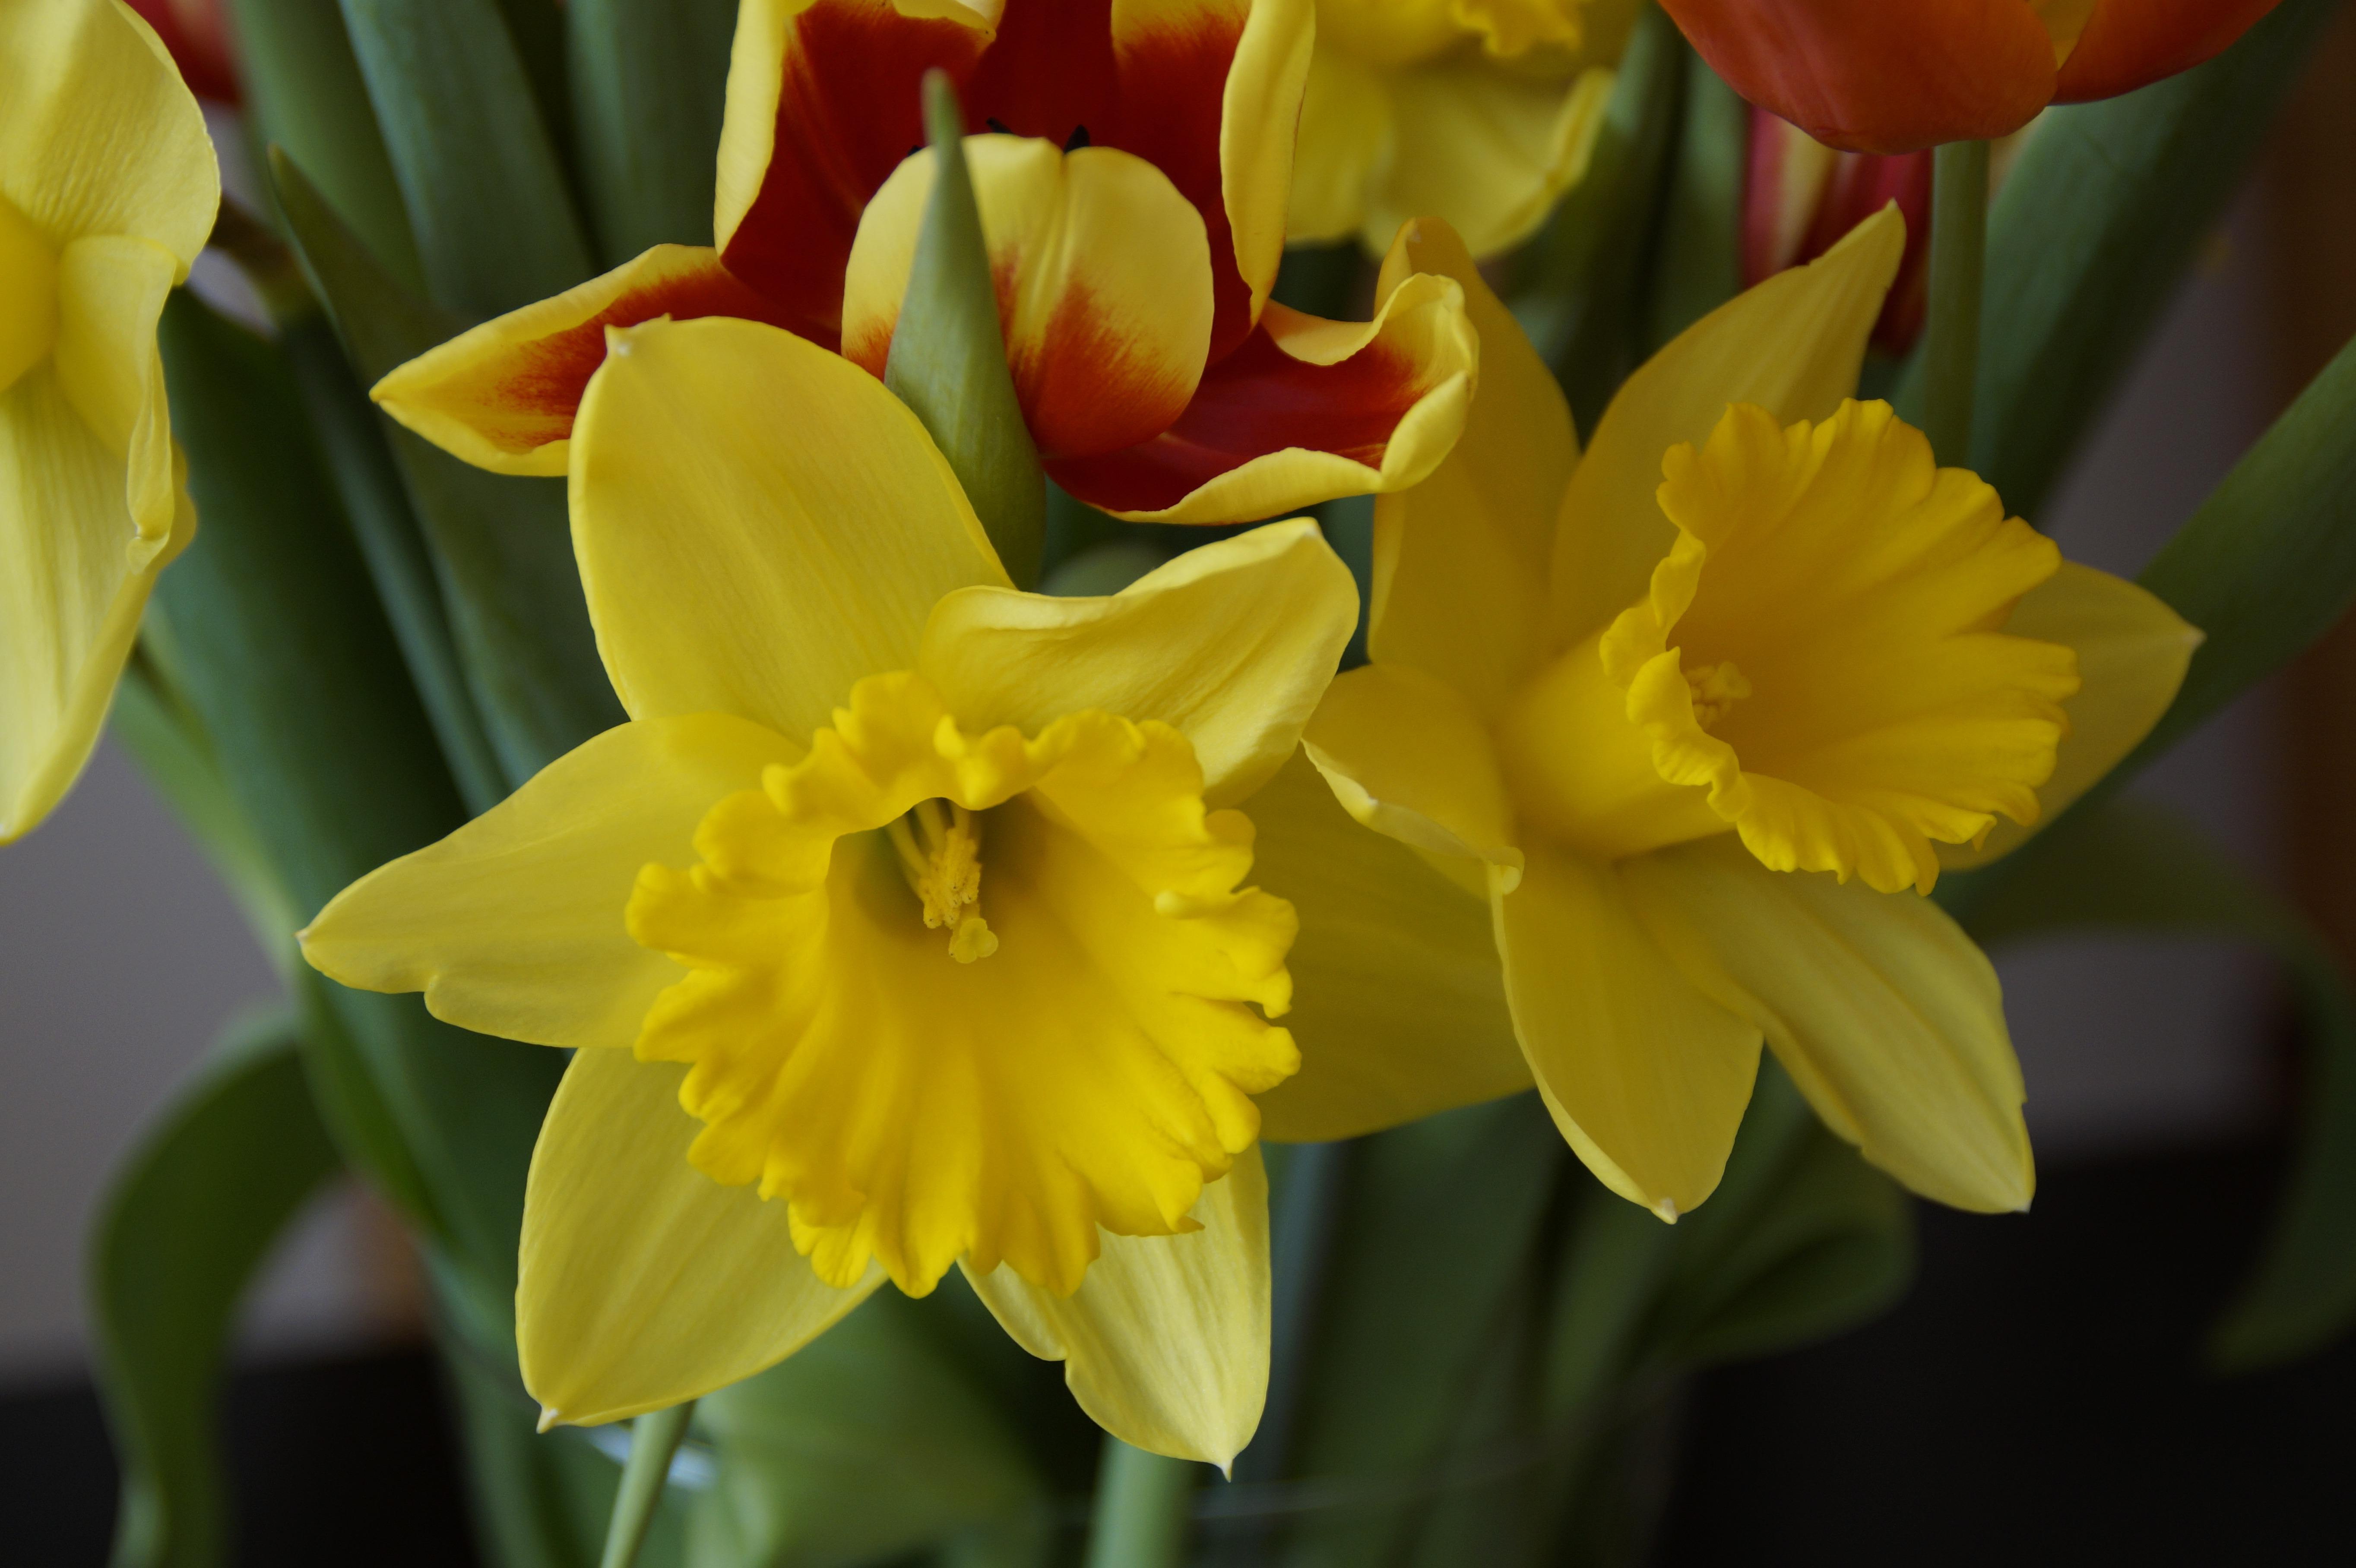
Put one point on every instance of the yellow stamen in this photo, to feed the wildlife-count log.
(944, 870)
(1717, 688)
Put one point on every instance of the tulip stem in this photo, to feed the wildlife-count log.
(1141, 1508)
(654, 1439)
(1959, 198)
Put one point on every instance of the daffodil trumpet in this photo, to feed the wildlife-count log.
(905, 926)
(108, 187)
(1700, 715)
(1131, 164)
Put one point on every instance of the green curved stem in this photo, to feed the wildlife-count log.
(654, 1438)
(1959, 199)
(1141, 1512)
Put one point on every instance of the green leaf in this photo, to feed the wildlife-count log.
(2134, 866)
(2090, 234)
(948, 354)
(477, 168)
(503, 546)
(189, 1218)
(649, 80)
(303, 92)
(1699, 263)
(870, 1442)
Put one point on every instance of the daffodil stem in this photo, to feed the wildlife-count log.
(1959, 198)
(1141, 1508)
(654, 1439)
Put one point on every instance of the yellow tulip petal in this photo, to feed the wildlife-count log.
(643, 1282)
(1882, 1010)
(513, 925)
(77, 577)
(1409, 757)
(2132, 651)
(98, 135)
(1231, 645)
(1792, 344)
(1489, 151)
(1398, 1005)
(1647, 1077)
(504, 395)
(110, 294)
(1460, 560)
(1259, 111)
(1104, 285)
(1165, 1342)
(759, 524)
(1346, 138)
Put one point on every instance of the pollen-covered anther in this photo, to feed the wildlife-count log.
(941, 856)
(1715, 688)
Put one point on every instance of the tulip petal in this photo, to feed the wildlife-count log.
(1307, 409)
(759, 524)
(98, 135)
(2133, 651)
(644, 1283)
(1398, 1005)
(1792, 344)
(1460, 560)
(2128, 44)
(504, 395)
(1231, 645)
(1490, 152)
(1882, 1010)
(513, 925)
(1872, 77)
(1409, 758)
(1647, 1077)
(78, 579)
(1104, 285)
(1165, 1343)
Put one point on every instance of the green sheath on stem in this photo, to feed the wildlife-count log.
(1958, 259)
(949, 353)
(1140, 1514)
(654, 1438)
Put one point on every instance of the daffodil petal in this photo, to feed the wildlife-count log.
(1104, 285)
(1792, 344)
(1882, 1010)
(2133, 651)
(110, 294)
(98, 135)
(759, 524)
(1231, 645)
(1409, 757)
(1460, 560)
(1646, 1076)
(1305, 411)
(503, 396)
(78, 579)
(1398, 1005)
(643, 1281)
(1490, 152)
(513, 925)
(1345, 137)
(1165, 1343)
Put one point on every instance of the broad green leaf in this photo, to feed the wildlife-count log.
(2090, 234)
(536, 29)
(303, 92)
(189, 1218)
(2134, 866)
(649, 78)
(948, 354)
(477, 167)
(1699, 265)
(1582, 278)
(503, 546)
(870, 1442)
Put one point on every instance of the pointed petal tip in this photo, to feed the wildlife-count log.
(1666, 1208)
(549, 1417)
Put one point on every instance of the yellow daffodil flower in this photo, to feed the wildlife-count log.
(1699, 716)
(1482, 112)
(108, 188)
(1131, 164)
(902, 927)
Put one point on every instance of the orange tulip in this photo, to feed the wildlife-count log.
(197, 34)
(1876, 76)
(1800, 198)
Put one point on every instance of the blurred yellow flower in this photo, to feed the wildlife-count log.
(1636, 717)
(919, 898)
(1481, 112)
(108, 188)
